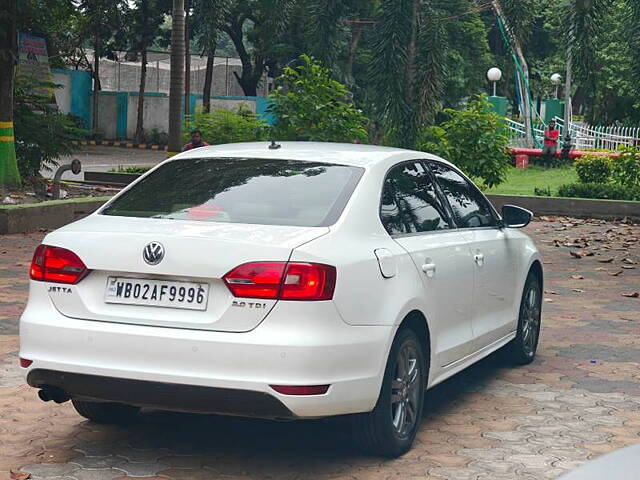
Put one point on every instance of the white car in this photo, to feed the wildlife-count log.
(293, 280)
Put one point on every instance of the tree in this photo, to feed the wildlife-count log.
(9, 176)
(255, 28)
(408, 67)
(101, 19)
(211, 14)
(176, 88)
(310, 105)
(144, 21)
(475, 139)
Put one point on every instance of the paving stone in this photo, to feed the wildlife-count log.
(489, 422)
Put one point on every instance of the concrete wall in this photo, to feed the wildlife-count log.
(155, 113)
(108, 115)
(63, 93)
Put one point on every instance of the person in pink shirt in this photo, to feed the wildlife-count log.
(550, 146)
(196, 141)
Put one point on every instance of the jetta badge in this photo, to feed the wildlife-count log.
(153, 253)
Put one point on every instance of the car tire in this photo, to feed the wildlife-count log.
(522, 349)
(390, 428)
(102, 412)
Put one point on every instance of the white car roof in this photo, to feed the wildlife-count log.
(342, 153)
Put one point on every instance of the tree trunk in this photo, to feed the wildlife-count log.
(9, 175)
(176, 88)
(96, 81)
(248, 80)
(356, 33)
(187, 59)
(143, 80)
(208, 79)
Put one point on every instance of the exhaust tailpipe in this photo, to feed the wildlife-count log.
(52, 393)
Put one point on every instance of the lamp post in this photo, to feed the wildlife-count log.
(494, 75)
(556, 79)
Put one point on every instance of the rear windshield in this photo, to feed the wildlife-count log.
(241, 190)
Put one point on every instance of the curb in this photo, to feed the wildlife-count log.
(571, 207)
(57, 213)
(49, 215)
(115, 143)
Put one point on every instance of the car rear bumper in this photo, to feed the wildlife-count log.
(217, 372)
(166, 396)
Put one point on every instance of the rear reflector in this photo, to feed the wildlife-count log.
(58, 265)
(301, 390)
(282, 280)
(24, 363)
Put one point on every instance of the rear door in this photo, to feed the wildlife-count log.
(494, 256)
(414, 216)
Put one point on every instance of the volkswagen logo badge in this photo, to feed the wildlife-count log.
(153, 253)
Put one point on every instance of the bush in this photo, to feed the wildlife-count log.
(130, 169)
(224, 126)
(475, 139)
(593, 168)
(607, 191)
(310, 105)
(625, 170)
(156, 137)
(42, 134)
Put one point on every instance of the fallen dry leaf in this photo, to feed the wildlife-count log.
(550, 292)
(615, 274)
(19, 475)
(601, 269)
(577, 290)
(577, 277)
(576, 254)
(606, 260)
(548, 300)
(631, 295)
(629, 261)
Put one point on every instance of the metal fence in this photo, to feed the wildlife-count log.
(583, 136)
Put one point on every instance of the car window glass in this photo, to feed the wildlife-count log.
(241, 190)
(468, 205)
(410, 203)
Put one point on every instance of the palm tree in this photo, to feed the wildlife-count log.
(176, 88)
(408, 68)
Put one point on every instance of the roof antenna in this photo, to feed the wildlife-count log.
(274, 145)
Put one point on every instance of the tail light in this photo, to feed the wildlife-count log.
(55, 264)
(282, 280)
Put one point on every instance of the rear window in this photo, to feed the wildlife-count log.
(242, 190)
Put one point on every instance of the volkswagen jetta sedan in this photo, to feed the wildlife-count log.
(290, 281)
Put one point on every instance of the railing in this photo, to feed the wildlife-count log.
(583, 136)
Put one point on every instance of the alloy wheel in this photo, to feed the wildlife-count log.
(405, 390)
(531, 321)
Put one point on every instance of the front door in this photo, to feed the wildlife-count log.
(494, 311)
(414, 216)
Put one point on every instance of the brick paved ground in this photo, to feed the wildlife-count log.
(579, 399)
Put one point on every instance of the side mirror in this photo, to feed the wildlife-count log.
(515, 217)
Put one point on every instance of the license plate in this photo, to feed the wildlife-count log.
(157, 293)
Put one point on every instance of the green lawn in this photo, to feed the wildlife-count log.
(523, 181)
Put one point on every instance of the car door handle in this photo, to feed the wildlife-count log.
(479, 259)
(429, 269)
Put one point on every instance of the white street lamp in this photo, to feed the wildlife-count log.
(556, 79)
(494, 75)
